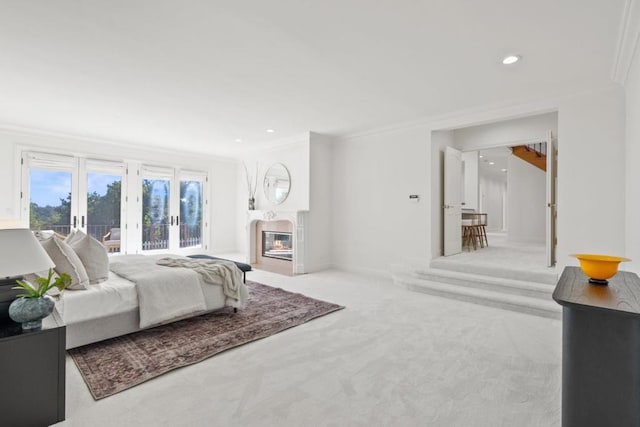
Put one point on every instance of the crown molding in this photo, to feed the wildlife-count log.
(40, 133)
(628, 36)
(489, 113)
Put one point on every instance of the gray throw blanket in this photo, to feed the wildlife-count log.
(163, 294)
(216, 272)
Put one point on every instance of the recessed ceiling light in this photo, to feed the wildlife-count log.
(238, 140)
(503, 170)
(270, 131)
(481, 156)
(492, 163)
(510, 59)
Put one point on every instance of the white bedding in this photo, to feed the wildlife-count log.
(116, 295)
(119, 295)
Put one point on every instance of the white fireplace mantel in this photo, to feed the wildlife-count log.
(296, 218)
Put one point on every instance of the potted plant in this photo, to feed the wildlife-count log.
(34, 304)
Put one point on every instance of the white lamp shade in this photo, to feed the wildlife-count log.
(21, 253)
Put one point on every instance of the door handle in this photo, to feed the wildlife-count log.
(171, 219)
(82, 221)
(177, 220)
(75, 221)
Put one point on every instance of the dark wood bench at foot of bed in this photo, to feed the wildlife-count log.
(242, 266)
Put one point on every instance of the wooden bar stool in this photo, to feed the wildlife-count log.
(469, 235)
(481, 224)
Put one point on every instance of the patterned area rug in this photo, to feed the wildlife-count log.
(114, 365)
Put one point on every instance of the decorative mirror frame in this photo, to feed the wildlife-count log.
(270, 186)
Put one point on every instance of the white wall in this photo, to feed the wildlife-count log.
(319, 243)
(591, 175)
(295, 157)
(632, 90)
(375, 224)
(526, 197)
(492, 189)
(471, 180)
(505, 132)
(222, 175)
(373, 175)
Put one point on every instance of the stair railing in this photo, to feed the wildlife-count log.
(540, 148)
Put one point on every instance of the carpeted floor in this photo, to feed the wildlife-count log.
(114, 365)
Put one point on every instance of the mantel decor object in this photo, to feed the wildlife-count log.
(252, 185)
(599, 268)
(277, 183)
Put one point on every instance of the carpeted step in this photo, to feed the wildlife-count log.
(518, 303)
(489, 283)
(548, 276)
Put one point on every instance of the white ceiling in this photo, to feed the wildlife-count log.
(198, 74)
(499, 156)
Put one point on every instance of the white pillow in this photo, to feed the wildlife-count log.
(93, 255)
(66, 261)
(73, 236)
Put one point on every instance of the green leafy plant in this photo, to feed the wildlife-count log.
(43, 285)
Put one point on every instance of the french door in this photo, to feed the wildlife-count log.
(64, 193)
(172, 209)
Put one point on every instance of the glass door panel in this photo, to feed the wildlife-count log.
(50, 201)
(190, 220)
(155, 213)
(104, 207)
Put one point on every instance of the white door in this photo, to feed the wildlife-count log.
(551, 201)
(452, 209)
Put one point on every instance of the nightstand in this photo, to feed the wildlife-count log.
(32, 371)
(600, 349)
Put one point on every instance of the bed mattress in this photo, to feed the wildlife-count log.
(116, 295)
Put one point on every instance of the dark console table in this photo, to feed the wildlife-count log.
(600, 350)
(32, 370)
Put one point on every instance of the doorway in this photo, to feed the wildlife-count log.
(521, 210)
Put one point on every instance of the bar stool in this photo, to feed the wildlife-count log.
(481, 230)
(469, 234)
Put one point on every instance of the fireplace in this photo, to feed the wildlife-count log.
(277, 244)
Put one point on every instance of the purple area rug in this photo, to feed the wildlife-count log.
(114, 365)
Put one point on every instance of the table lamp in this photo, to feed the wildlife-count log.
(20, 254)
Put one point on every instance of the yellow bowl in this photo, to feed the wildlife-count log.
(599, 267)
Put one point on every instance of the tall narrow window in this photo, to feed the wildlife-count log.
(155, 213)
(191, 210)
(49, 192)
(104, 206)
(50, 200)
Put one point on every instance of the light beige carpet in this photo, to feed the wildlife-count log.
(114, 365)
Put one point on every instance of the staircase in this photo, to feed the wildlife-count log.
(506, 288)
(535, 154)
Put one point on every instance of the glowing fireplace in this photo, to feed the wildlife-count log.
(277, 244)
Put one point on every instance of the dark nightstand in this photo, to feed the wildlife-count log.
(600, 349)
(32, 374)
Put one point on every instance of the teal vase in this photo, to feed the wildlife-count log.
(31, 311)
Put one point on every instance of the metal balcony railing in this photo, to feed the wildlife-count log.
(153, 237)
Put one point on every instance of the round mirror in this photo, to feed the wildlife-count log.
(277, 183)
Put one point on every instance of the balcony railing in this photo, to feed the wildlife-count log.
(154, 237)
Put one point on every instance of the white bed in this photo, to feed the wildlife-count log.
(111, 308)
